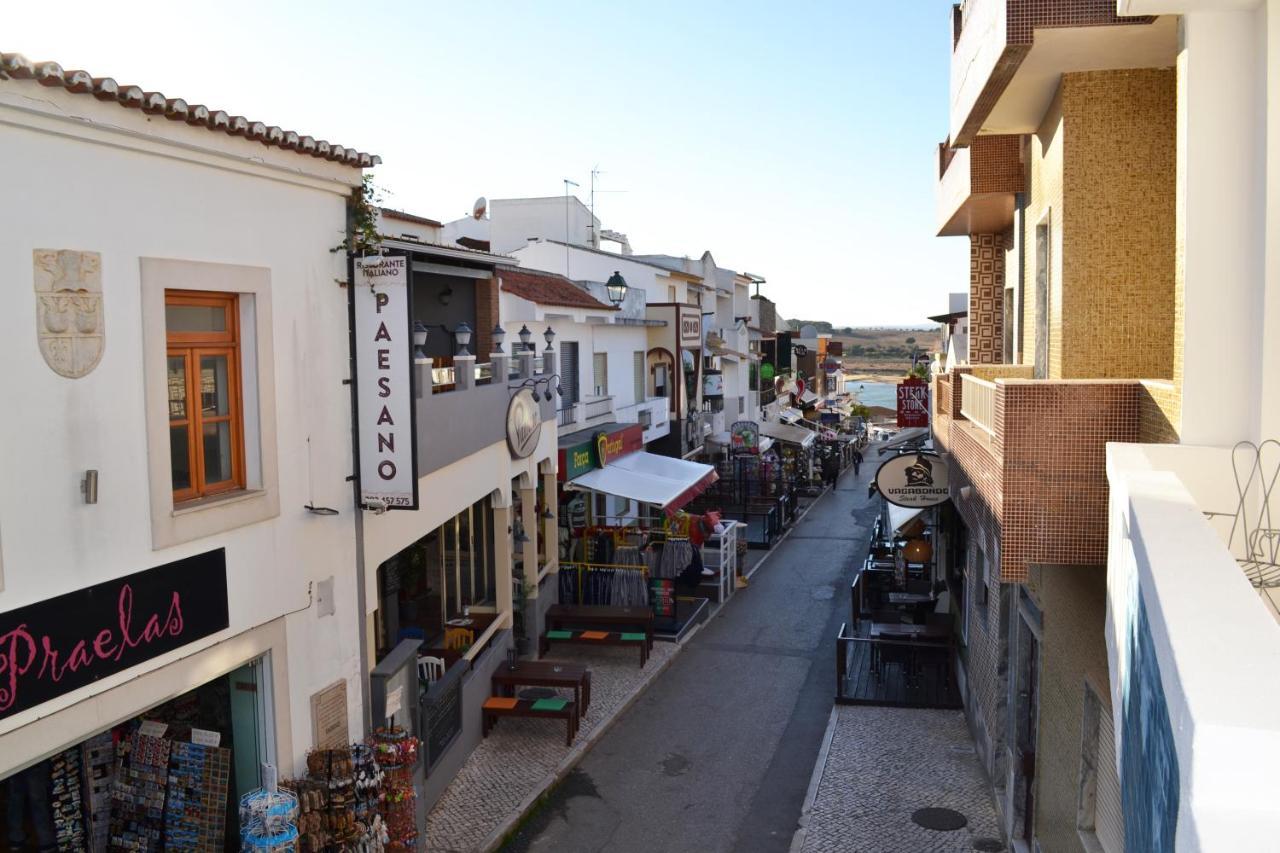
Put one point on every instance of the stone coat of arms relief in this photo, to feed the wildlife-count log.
(69, 319)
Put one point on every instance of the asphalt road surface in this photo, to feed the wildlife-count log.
(717, 754)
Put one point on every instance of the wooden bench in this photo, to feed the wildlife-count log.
(498, 706)
(597, 638)
(613, 619)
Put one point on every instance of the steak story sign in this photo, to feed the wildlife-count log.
(913, 480)
(913, 403)
(381, 322)
(64, 643)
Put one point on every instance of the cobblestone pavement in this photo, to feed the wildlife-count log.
(882, 765)
(517, 756)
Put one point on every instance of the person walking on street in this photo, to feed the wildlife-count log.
(857, 462)
(831, 469)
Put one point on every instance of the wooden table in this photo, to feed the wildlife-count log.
(561, 617)
(903, 631)
(545, 673)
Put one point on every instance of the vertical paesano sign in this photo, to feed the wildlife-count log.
(382, 323)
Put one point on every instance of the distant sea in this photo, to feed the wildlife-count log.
(874, 393)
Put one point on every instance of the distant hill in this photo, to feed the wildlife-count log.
(823, 327)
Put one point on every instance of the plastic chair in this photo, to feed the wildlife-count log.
(430, 668)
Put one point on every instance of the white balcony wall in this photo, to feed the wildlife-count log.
(1193, 655)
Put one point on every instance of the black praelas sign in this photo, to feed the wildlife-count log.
(56, 646)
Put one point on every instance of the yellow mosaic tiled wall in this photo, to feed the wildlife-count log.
(1159, 412)
(1119, 152)
(1102, 176)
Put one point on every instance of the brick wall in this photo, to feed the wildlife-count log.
(986, 298)
(487, 318)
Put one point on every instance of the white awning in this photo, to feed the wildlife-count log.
(663, 481)
(789, 415)
(786, 432)
(901, 516)
(808, 397)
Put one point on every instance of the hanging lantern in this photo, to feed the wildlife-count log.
(918, 551)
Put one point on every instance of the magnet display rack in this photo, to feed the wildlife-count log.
(65, 800)
(138, 794)
(196, 803)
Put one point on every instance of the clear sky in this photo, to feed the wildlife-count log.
(794, 140)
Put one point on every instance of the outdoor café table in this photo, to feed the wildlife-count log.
(910, 597)
(565, 616)
(545, 673)
(903, 631)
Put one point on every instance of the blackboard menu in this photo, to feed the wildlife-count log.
(442, 714)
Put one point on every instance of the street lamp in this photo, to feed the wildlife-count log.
(525, 336)
(549, 335)
(499, 335)
(463, 336)
(419, 341)
(617, 288)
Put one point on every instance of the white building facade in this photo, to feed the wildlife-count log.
(176, 518)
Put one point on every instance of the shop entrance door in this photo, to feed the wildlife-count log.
(250, 692)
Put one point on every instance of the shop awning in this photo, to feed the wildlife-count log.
(808, 398)
(909, 437)
(786, 432)
(663, 481)
(790, 415)
(901, 516)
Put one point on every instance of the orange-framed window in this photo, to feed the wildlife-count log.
(206, 427)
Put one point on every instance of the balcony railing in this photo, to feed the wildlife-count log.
(567, 416)
(445, 378)
(978, 401)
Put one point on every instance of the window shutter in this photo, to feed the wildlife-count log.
(569, 372)
(639, 375)
(600, 373)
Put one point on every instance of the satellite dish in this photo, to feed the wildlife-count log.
(480, 208)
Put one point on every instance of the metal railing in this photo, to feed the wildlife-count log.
(567, 416)
(978, 401)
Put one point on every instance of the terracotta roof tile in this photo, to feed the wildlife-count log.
(544, 288)
(17, 66)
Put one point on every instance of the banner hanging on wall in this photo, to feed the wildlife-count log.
(382, 324)
(913, 403)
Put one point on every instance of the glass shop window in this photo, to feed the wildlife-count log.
(440, 578)
(206, 432)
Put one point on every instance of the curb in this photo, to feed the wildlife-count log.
(815, 781)
(498, 836)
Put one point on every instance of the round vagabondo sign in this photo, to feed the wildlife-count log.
(913, 480)
(524, 423)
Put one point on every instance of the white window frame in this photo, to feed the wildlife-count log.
(260, 499)
(600, 374)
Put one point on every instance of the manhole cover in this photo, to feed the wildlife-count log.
(989, 845)
(943, 820)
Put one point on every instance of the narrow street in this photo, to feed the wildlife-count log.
(718, 753)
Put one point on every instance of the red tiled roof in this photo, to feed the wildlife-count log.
(15, 65)
(544, 288)
(410, 217)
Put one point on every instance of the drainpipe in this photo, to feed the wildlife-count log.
(362, 618)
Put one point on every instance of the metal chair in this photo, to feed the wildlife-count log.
(1254, 538)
